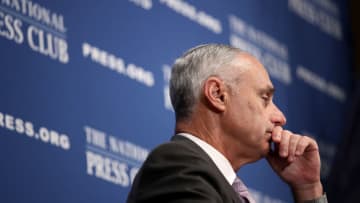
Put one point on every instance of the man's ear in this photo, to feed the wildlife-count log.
(215, 93)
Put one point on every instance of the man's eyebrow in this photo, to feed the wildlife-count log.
(268, 90)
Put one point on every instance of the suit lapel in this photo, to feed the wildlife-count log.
(212, 166)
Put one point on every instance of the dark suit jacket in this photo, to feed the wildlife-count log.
(180, 171)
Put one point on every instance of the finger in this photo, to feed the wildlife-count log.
(303, 143)
(276, 134)
(306, 143)
(284, 143)
(293, 142)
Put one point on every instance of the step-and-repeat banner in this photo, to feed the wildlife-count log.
(84, 86)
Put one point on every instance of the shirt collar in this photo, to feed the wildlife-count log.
(218, 158)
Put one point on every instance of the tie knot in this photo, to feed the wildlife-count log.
(239, 186)
(242, 190)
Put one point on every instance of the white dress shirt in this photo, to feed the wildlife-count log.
(219, 159)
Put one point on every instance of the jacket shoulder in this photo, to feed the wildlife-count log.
(180, 170)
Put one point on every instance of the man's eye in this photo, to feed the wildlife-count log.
(266, 99)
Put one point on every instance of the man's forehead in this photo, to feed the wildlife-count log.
(246, 61)
(252, 71)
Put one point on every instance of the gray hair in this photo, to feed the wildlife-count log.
(191, 70)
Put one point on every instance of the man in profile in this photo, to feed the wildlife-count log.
(225, 118)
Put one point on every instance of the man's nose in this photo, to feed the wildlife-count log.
(277, 117)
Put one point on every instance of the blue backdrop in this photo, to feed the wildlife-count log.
(84, 86)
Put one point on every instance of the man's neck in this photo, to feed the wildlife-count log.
(207, 129)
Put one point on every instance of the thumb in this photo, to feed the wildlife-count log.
(276, 162)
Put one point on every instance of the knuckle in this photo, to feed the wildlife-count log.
(288, 132)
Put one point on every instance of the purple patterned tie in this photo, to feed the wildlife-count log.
(242, 190)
